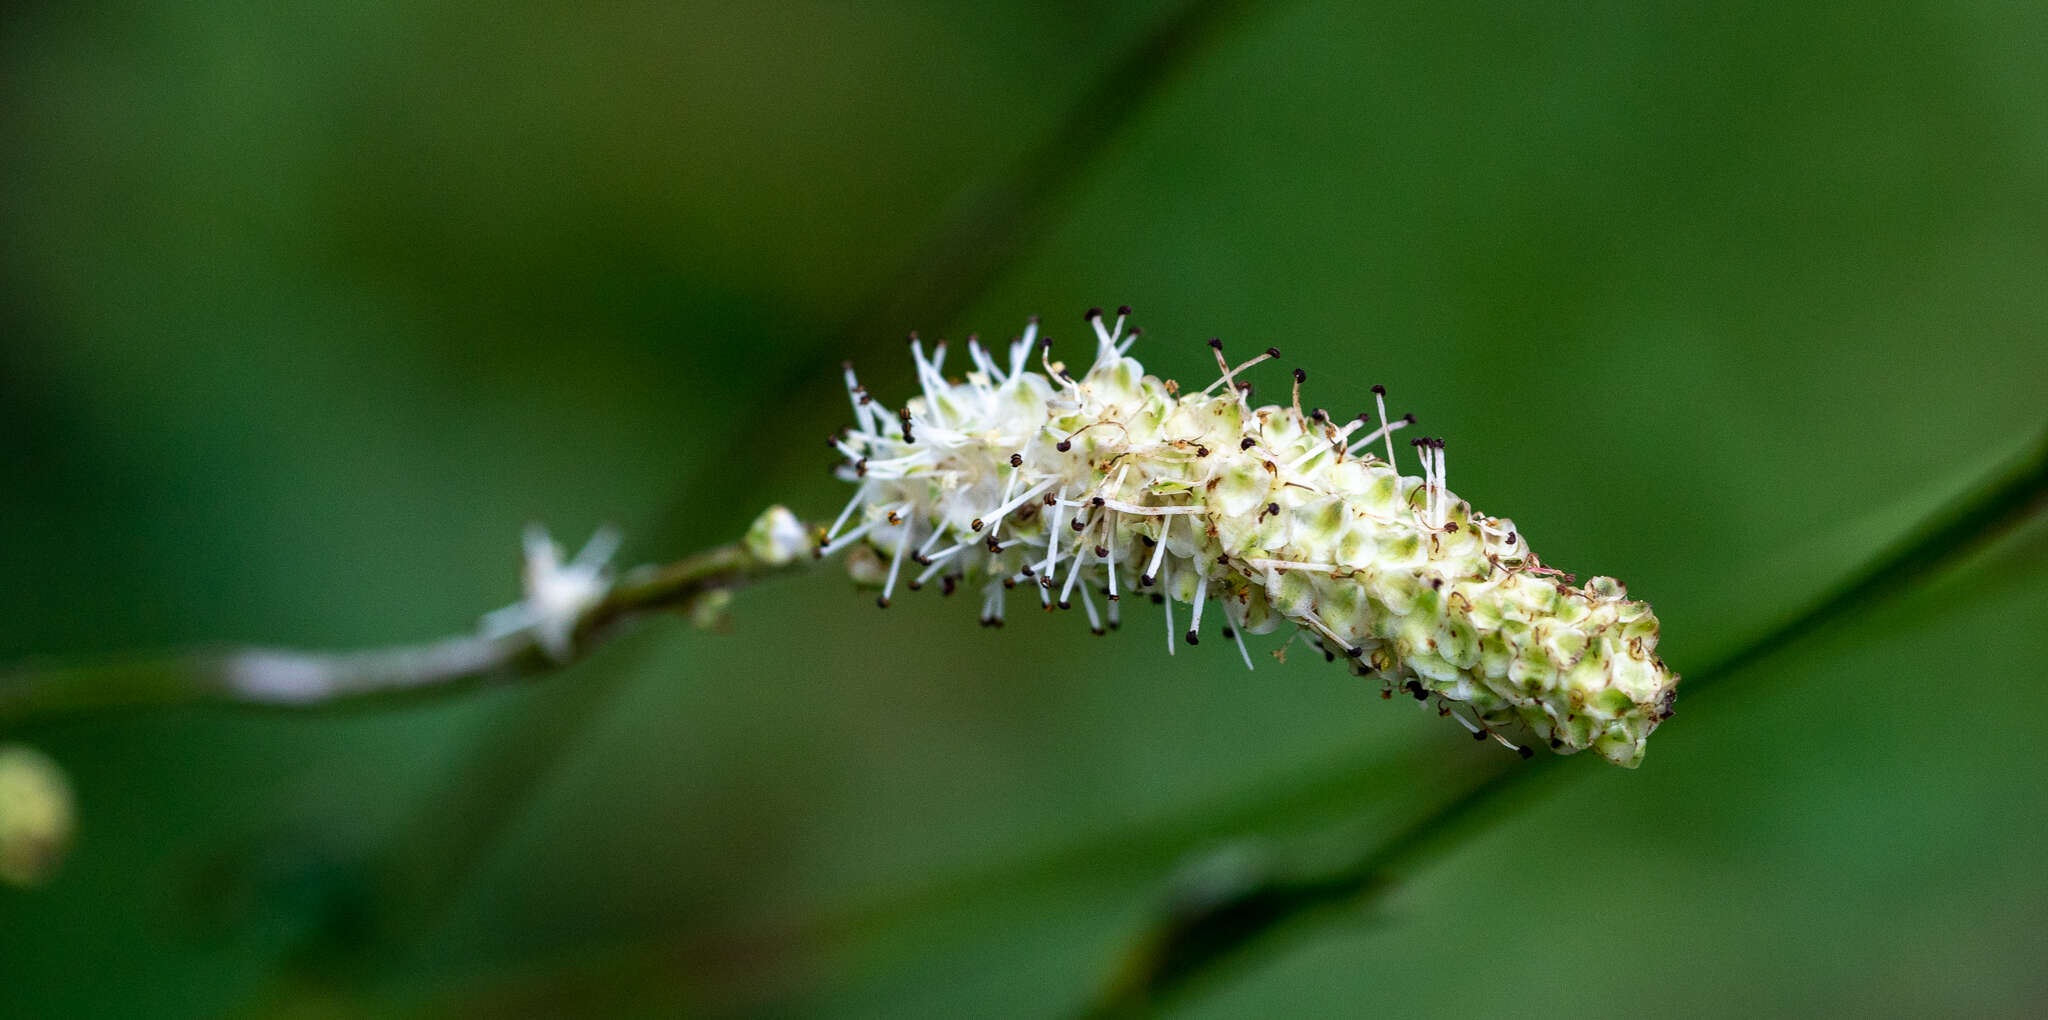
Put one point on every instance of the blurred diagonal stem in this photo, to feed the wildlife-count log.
(1206, 932)
(283, 678)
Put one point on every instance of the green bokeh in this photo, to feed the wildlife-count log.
(307, 309)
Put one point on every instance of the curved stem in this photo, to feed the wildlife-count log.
(286, 678)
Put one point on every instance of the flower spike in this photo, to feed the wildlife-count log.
(1112, 479)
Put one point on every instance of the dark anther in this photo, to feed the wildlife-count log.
(1097, 501)
(1064, 445)
(1216, 342)
(1101, 552)
(1097, 631)
(1201, 451)
(1272, 352)
(1248, 443)
(1381, 390)
(1194, 638)
(911, 338)
(1479, 735)
(1158, 600)
(1148, 540)
(882, 601)
(1353, 652)
(1318, 414)
(1093, 314)
(976, 525)
(914, 584)
(1223, 559)
(1526, 752)
(1452, 526)
(1045, 342)
(1272, 508)
(1123, 309)
(1555, 743)
(860, 467)
(1064, 604)
(1009, 582)
(1300, 376)
(1016, 460)
(948, 584)
(1409, 418)
(1329, 656)
(1079, 524)
(904, 414)
(1228, 633)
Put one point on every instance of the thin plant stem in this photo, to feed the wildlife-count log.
(290, 679)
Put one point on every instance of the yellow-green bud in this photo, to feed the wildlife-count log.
(36, 815)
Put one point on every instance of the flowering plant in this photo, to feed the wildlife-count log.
(1116, 481)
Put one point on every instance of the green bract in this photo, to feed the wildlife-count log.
(1115, 481)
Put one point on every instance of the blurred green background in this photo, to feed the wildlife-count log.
(307, 308)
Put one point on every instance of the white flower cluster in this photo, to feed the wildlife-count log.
(1115, 481)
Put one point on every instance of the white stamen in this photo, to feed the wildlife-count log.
(859, 530)
(1052, 541)
(1383, 432)
(937, 563)
(1443, 484)
(896, 564)
(1237, 634)
(1167, 582)
(860, 496)
(1379, 400)
(1230, 374)
(1020, 348)
(1109, 545)
(860, 408)
(1158, 553)
(1094, 621)
(1074, 571)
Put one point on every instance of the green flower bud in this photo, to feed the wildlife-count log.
(37, 816)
